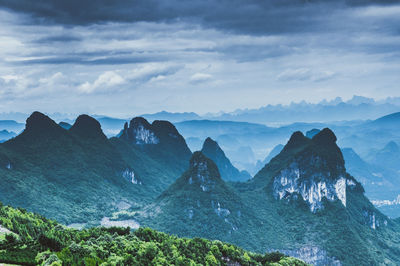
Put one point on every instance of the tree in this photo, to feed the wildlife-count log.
(211, 260)
(11, 239)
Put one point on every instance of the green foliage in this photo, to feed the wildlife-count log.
(10, 239)
(44, 242)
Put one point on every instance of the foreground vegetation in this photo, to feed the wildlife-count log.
(34, 240)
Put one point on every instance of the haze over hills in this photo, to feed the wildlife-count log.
(356, 108)
(303, 198)
(303, 201)
(215, 133)
(228, 172)
(246, 145)
(6, 135)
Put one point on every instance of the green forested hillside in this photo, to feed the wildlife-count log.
(322, 207)
(200, 203)
(35, 240)
(303, 199)
(78, 175)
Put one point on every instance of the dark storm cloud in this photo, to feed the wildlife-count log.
(122, 56)
(245, 16)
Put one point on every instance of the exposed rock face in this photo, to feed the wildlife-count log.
(373, 220)
(130, 176)
(140, 132)
(160, 140)
(313, 255)
(315, 171)
(292, 182)
(4, 230)
(221, 212)
(201, 173)
(202, 199)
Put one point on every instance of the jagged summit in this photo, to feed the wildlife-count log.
(202, 175)
(39, 122)
(210, 143)
(213, 150)
(139, 121)
(296, 140)
(391, 147)
(325, 136)
(165, 127)
(312, 169)
(139, 131)
(88, 127)
(203, 171)
(160, 140)
(228, 172)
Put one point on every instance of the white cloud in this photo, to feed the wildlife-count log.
(152, 72)
(9, 78)
(54, 79)
(200, 78)
(105, 81)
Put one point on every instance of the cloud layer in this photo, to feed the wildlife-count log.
(131, 57)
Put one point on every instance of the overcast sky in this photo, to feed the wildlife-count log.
(125, 57)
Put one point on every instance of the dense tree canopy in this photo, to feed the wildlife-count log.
(37, 240)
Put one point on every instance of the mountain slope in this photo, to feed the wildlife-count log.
(275, 151)
(69, 175)
(379, 182)
(200, 203)
(78, 175)
(308, 193)
(228, 172)
(159, 141)
(305, 202)
(387, 157)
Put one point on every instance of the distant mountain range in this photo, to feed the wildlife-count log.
(247, 145)
(11, 126)
(303, 201)
(6, 135)
(356, 108)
